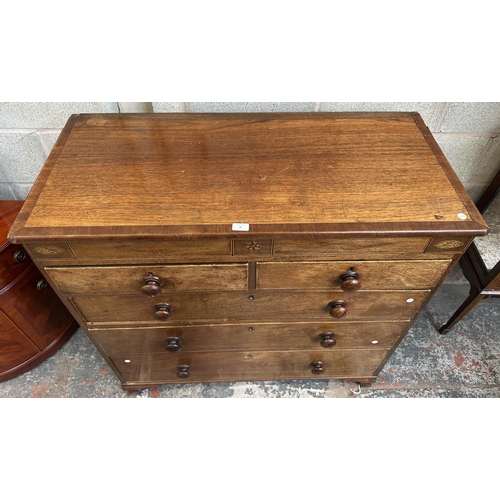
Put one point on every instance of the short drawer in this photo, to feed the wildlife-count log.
(347, 246)
(133, 279)
(260, 306)
(247, 365)
(366, 275)
(267, 336)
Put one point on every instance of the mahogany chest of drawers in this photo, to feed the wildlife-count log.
(239, 247)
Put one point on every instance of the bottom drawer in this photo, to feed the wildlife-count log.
(159, 368)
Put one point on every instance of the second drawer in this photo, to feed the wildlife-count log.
(260, 306)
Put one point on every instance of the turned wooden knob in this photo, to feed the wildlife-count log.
(327, 340)
(317, 367)
(183, 371)
(173, 344)
(151, 285)
(337, 308)
(349, 281)
(163, 311)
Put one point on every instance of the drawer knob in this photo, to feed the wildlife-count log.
(42, 285)
(163, 311)
(173, 344)
(151, 285)
(20, 255)
(337, 308)
(327, 340)
(349, 281)
(317, 367)
(183, 371)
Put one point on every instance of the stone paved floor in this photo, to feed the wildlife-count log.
(465, 363)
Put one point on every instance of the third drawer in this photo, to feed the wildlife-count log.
(257, 336)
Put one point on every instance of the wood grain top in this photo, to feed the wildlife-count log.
(171, 175)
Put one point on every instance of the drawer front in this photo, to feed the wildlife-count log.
(129, 279)
(335, 246)
(13, 261)
(371, 275)
(247, 365)
(267, 336)
(259, 306)
(150, 250)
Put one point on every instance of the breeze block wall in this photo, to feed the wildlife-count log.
(467, 132)
(28, 131)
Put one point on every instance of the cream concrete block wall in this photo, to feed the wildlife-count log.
(467, 132)
(28, 131)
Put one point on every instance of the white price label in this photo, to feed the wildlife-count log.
(240, 226)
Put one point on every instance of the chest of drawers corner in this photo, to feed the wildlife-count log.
(220, 247)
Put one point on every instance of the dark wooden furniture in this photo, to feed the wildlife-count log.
(481, 261)
(238, 247)
(34, 323)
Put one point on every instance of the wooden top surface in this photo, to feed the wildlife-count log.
(171, 175)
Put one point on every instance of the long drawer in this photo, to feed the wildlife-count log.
(161, 368)
(259, 306)
(370, 275)
(267, 336)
